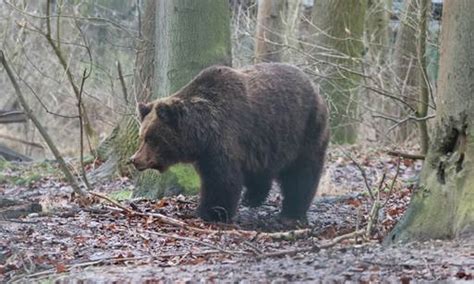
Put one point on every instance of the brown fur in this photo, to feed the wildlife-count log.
(241, 127)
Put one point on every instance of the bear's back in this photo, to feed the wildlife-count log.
(281, 100)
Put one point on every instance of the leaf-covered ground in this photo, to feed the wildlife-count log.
(44, 235)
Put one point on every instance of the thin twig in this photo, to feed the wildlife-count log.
(364, 175)
(81, 130)
(122, 82)
(392, 185)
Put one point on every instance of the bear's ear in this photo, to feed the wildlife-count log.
(170, 113)
(143, 110)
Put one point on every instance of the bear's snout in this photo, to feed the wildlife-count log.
(136, 162)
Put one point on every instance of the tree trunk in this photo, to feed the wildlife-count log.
(338, 26)
(410, 66)
(406, 67)
(190, 36)
(443, 205)
(122, 142)
(423, 94)
(378, 38)
(377, 30)
(145, 60)
(276, 29)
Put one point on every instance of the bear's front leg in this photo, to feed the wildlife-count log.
(221, 186)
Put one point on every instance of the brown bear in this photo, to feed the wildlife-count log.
(241, 128)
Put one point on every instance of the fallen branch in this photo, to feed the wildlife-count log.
(160, 217)
(315, 247)
(207, 244)
(406, 155)
(68, 268)
(289, 235)
(13, 116)
(110, 200)
(11, 155)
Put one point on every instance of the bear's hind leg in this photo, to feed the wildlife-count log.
(257, 189)
(298, 185)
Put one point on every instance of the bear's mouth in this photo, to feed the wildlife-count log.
(160, 168)
(140, 168)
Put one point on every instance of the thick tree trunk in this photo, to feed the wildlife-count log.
(443, 205)
(338, 29)
(190, 36)
(276, 29)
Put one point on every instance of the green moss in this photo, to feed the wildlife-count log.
(187, 177)
(121, 195)
(26, 179)
(26, 174)
(3, 163)
(181, 178)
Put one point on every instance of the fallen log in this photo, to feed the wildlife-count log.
(12, 116)
(11, 155)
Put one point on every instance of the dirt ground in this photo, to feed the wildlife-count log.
(46, 237)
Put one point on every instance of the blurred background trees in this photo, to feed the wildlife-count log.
(375, 62)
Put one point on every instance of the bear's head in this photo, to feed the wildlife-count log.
(162, 139)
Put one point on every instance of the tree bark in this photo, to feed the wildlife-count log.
(338, 27)
(406, 66)
(122, 142)
(410, 67)
(189, 36)
(377, 30)
(276, 29)
(145, 60)
(423, 94)
(443, 205)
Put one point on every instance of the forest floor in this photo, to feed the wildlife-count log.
(47, 237)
